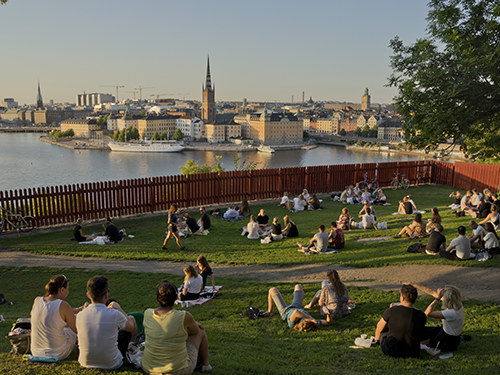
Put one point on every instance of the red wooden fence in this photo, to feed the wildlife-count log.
(64, 204)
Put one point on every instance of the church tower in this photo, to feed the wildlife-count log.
(208, 106)
(365, 101)
(39, 100)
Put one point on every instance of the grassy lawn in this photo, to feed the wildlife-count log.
(225, 244)
(264, 346)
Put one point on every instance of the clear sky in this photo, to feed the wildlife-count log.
(259, 50)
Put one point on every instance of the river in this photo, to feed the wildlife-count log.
(26, 162)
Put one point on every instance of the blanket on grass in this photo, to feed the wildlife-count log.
(206, 295)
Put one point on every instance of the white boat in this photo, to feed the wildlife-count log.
(267, 149)
(146, 146)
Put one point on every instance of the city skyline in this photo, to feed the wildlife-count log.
(270, 51)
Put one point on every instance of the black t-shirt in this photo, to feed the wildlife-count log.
(204, 274)
(205, 219)
(263, 220)
(192, 224)
(76, 233)
(484, 210)
(293, 232)
(276, 229)
(401, 337)
(408, 208)
(113, 233)
(436, 239)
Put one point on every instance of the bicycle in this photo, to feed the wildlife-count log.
(422, 177)
(17, 221)
(365, 183)
(396, 184)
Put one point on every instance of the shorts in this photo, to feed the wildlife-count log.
(192, 353)
(297, 302)
(172, 228)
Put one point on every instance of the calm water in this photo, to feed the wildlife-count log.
(26, 162)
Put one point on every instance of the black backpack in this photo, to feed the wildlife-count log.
(252, 313)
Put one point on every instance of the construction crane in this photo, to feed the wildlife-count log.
(135, 92)
(182, 93)
(158, 97)
(116, 86)
(140, 88)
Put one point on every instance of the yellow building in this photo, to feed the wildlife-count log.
(271, 128)
(215, 133)
(82, 127)
(151, 124)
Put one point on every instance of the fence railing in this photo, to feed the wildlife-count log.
(64, 204)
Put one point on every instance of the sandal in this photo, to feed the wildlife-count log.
(184, 248)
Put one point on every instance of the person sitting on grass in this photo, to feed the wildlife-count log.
(344, 221)
(400, 329)
(493, 217)
(368, 219)
(294, 314)
(437, 241)
(111, 231)
(244, 209)
(415, 230)
(78, 233)
(252, 229)
(366, 196)
(405, 207)
(476, 234)
(284, 200)
(366, 204)
(205, 270)
(290, 230)
(204, 220)
(332, 297)
(436, 219)
(192, 225)
(457, 198)
(490, 239)
(314, 203)
(53, 327)
(299, 203)
(276, 233)
(381, 198)
(317, 244)
(336, 237)
(231, 214)
(175, 342)
(448, 336)
(263, 220)
(459, 248)
(193, 284)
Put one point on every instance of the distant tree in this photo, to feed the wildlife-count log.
(156, 136)
(192, 168)
(54, 124)
(178, 135)
(360, 143)
(349, 142)
(102, 121)
(142, 112)
(132, 133)
(358, 132)
(3, 2)
(116, 136)
(164, 136)
(305, 134)
(342, 132)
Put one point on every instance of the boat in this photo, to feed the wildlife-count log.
(146, 146)
(267, 149)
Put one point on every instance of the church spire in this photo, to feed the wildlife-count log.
(208, 83)
(39, 100)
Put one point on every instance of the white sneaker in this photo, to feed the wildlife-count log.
(365, 343)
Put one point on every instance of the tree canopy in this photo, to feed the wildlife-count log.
(448, 82)
(132, 133)
(178, 135)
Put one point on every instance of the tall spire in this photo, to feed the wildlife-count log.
(39, 100)
(208, 83)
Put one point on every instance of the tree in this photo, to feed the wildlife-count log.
(116, 136)
(448, 82)
(178, 135)
(156, 136)
(164, 136)
(342, 132)
(142, 112)
(132, 133)
(192, 168)
(366, 131)
(358, 131)
(245, 165)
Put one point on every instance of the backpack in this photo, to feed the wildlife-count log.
(252, 313)
(415, 248)
(20, 336)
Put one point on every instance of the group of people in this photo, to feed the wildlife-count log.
(111, 232)
(259, 227)
(354, 195)
(323, 242)
(304, 201)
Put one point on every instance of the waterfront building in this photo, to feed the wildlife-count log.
(94, 99)
(348, 125)
(390, 129)
(49, 116)
(365, 101)
(13, 115)
(83, 128)
(324, 125)
(232, 131)
(208, 114)
(8, 103)
(191, 127)
(152, 123)
(127, 120)
(271, 128)
(215, 133)
(112, 123)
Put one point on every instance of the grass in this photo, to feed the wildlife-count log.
(225, 245)
(263, 346)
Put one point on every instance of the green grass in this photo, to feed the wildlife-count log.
(264, 346)
(225, 245)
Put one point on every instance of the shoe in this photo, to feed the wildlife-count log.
(206, 368)
(396, 237)
(164, 248)
(429, 252)
(184, 248)
(365, 343)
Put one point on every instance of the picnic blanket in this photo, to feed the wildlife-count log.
(102, 240)
(413, 213)
(206, 295)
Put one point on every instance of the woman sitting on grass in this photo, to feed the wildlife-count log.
(332, 297)
(175, 342)
(53, 323)
(493, 217)
(78, 233)
(193, 284)
(314, 203)
(381, 198)
(290, 230)
(294, 314)
(299, 203)
(276, 233)
(205, 271)
(436, 219)
(405, 206)
(252, 229)
(344, 222)
(415, 229)
(490, 239)
(448, 336)
(244, 209)
(366, 204)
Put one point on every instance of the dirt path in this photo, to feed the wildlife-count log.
(475, 283)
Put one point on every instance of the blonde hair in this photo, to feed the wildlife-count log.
(79, 220)
(173, 209)
(252, 218)
(452, 298)
(276, 220)
(345, 211)
(286, 219)
(190, 272)
(304, 325)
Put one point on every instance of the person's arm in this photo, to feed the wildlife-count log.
(213, 282)
(192, 328)
(380, 328)
(449, 248)
(297, 314)
(130, 325)
(429, 291)
(443, 245)
(429, 311)
(67, 315)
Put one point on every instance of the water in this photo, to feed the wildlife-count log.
(26, 162)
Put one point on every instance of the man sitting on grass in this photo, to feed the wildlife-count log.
(437, 241)
(317, 244)
(336, 237)
(459, 248)
(400, 328)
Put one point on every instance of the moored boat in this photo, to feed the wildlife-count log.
(267, 149)
(146, 146)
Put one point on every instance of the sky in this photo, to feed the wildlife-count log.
(269, 50)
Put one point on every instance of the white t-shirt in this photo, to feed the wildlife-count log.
(298, 205)
(453, 321)
(253, 230)
(477, 232)
(194, 284)
(490, 241)
(462, 246)
(98, 327)
(284, 200)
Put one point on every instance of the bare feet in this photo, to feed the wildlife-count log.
(299, 244)
(308, 306)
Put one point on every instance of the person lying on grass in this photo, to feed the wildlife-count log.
(448, 336)
(294, 314)
(332, 297)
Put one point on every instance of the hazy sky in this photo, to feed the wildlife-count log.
(259, 50)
